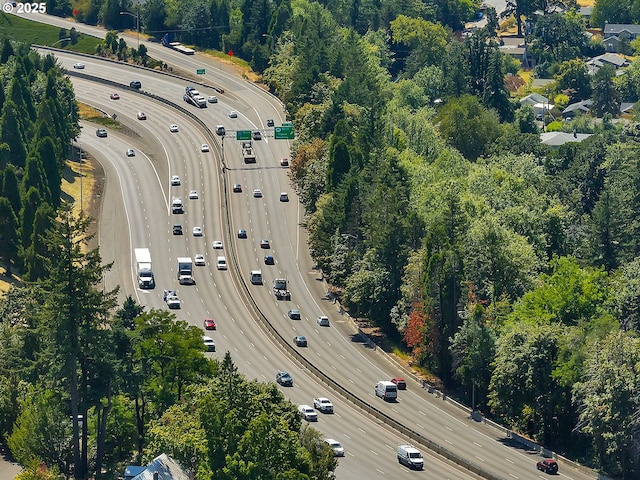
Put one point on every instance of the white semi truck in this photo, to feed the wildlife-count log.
(143, 266)
(185, 271)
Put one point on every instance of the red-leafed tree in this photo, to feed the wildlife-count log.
(414, 334)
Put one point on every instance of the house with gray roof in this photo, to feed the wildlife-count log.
(162, 467)
(614, 34)
(533, 98)
(555, 139)
(575, 109)
(616, 61)
(516, 48)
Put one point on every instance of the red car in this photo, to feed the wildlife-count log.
(400, 383)
(209, 324)
(115, 96)
(547, 466)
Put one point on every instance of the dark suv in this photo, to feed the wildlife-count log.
(135, 84)
(177, 229)
(284, 379)
(547, 466)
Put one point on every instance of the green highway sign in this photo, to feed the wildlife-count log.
(200, 71)
(284, 132)
(243, 135)
(287, 124)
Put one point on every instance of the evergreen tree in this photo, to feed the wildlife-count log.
(36, 255)
(75, 313)
(11, 189)
(12, 133)
(496, 95)
(605, 97)
(31, 203)
(34, 176)
(9, 241)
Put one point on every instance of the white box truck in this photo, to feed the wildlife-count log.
(185, 271)
(143, 268)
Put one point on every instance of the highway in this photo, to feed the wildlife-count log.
(134, 186)
(143, 181)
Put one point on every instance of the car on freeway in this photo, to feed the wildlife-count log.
(264, 244)
(300, 340)
(101, 132)
(270, 122)
(294, 314)
(175, 181)
(79, 66)
(308, 413)
(114, 96)
(237, 188)
(323, 404)
(547, 465)
(257, 193)
(233, 114)
(209, 324)
(197, 231)
(204, 147)
(284, 162)
(142, 116)
(268, 260)
(209, 344)
(212, 99)
(199, 260)
(220, 130)
(242, 233)
(323, 321)
(131, 152)
(284, 197)
(284, 379)
(173, 128)
(177, 229)
(171, 299)
(256, 135)
(338, 449)
(217, 244)
(193, 195)
(400, 383)
(137, 84)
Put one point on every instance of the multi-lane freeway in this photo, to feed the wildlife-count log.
(136, 201)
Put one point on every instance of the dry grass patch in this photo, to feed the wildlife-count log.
(78, 185)
(94, 115)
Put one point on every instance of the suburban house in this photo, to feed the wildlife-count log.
(516, 48)
(618, 62)
(162, 467)
(575, 109)
(614, 34)
(555, 139)
(585, 12)
(539, 103)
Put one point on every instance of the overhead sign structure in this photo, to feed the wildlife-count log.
(284, 132)
(200, 71)
(243, 134)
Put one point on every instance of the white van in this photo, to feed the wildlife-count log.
(256, 277)
(386, 390)
(410, 456)
(221, 263)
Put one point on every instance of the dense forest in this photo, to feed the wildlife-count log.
(508, 268)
